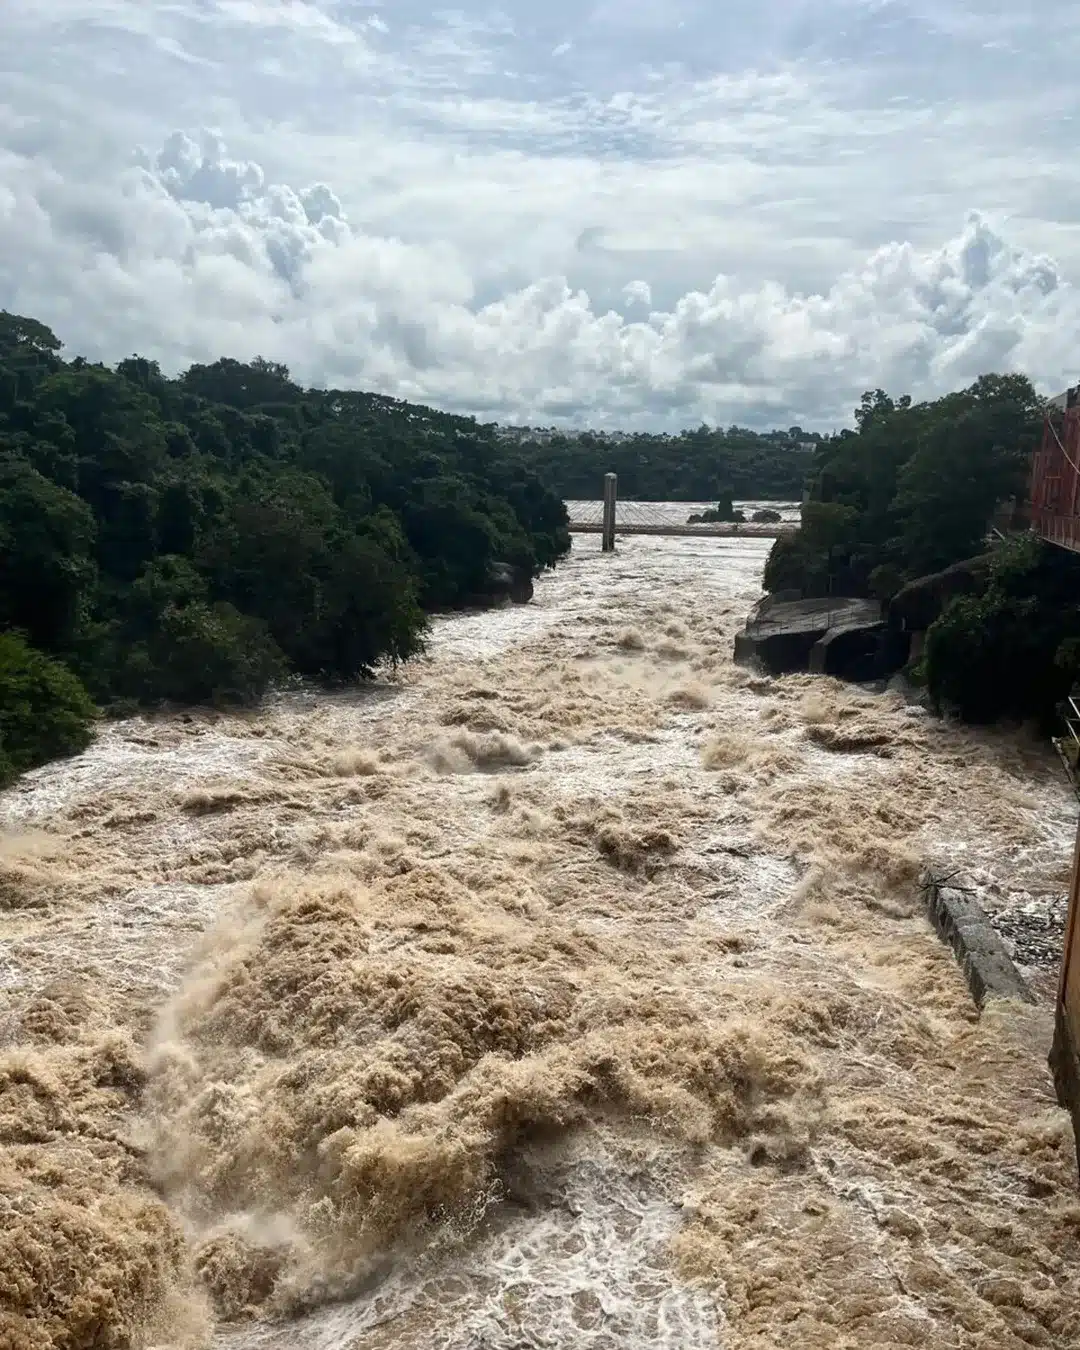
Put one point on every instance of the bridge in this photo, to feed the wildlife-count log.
(649, 518)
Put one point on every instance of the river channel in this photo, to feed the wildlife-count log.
(571, 988)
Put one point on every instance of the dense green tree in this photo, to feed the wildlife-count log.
(910, 490)
(200, 653)
(198, 538)
(1014, 650)
(28, 352)
(44, 710)
(47, 570)
(973, 455)
(242, 384)
(696, 466)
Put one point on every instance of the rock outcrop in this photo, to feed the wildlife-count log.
(831, 636)
(915, 607)
(511, 583)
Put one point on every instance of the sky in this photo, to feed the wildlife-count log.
(631, 214)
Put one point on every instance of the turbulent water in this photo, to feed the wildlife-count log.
(572, 990)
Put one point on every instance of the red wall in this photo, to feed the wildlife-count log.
(1055, 479)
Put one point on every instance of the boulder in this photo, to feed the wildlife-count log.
(858, 651)
(915, 606)
(833, 635)
(507, 582)
(522, 591)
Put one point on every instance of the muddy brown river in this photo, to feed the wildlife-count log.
(571, 989)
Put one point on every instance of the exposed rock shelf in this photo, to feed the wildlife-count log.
(830, 636)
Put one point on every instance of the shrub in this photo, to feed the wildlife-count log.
(44, 711)
(1012, 651)
(202, 653)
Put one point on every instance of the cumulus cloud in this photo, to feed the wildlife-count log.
(638, 293)
(695, 246)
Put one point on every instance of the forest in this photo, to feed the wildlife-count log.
(696, 466)
(900, 507)
(202, 538)
(198, 539)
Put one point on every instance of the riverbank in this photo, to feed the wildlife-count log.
(573, 989)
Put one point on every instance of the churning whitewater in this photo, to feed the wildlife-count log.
(572, 989)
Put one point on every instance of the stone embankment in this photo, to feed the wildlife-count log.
(963, 924)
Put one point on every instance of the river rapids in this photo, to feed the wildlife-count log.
(571, 989)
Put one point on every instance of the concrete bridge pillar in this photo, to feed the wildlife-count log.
(611, 489)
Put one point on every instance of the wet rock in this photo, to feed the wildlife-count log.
(916, 697)
(831, 636)
(915, 607)
(1033, 929)
(507, 582)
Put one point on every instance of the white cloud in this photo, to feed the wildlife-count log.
(638, 293)
(444, 210)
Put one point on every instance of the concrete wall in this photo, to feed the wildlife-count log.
(1065, 1055)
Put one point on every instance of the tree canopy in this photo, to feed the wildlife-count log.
(1013, 649)
(911, 489)
(908, 496)
(192, 539)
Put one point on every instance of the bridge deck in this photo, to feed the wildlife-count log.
(722, 530)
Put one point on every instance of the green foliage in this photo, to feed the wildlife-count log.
(723, 511)
(1013, 651)
(200, 653)
(47, 571)
(44, 710)
(196, 539)
(912, 489)
(794, 565)
(786, 565)
(885, 581)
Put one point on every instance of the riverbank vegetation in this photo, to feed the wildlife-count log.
(910, 490)
(1011, 648)
(899, 509)
(195, 539)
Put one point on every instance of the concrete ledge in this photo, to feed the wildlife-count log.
(1065, 1066)
(962, 923)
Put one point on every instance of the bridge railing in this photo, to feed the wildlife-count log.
(660, 519)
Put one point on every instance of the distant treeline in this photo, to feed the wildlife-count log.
(696, 466)
(196, 539)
